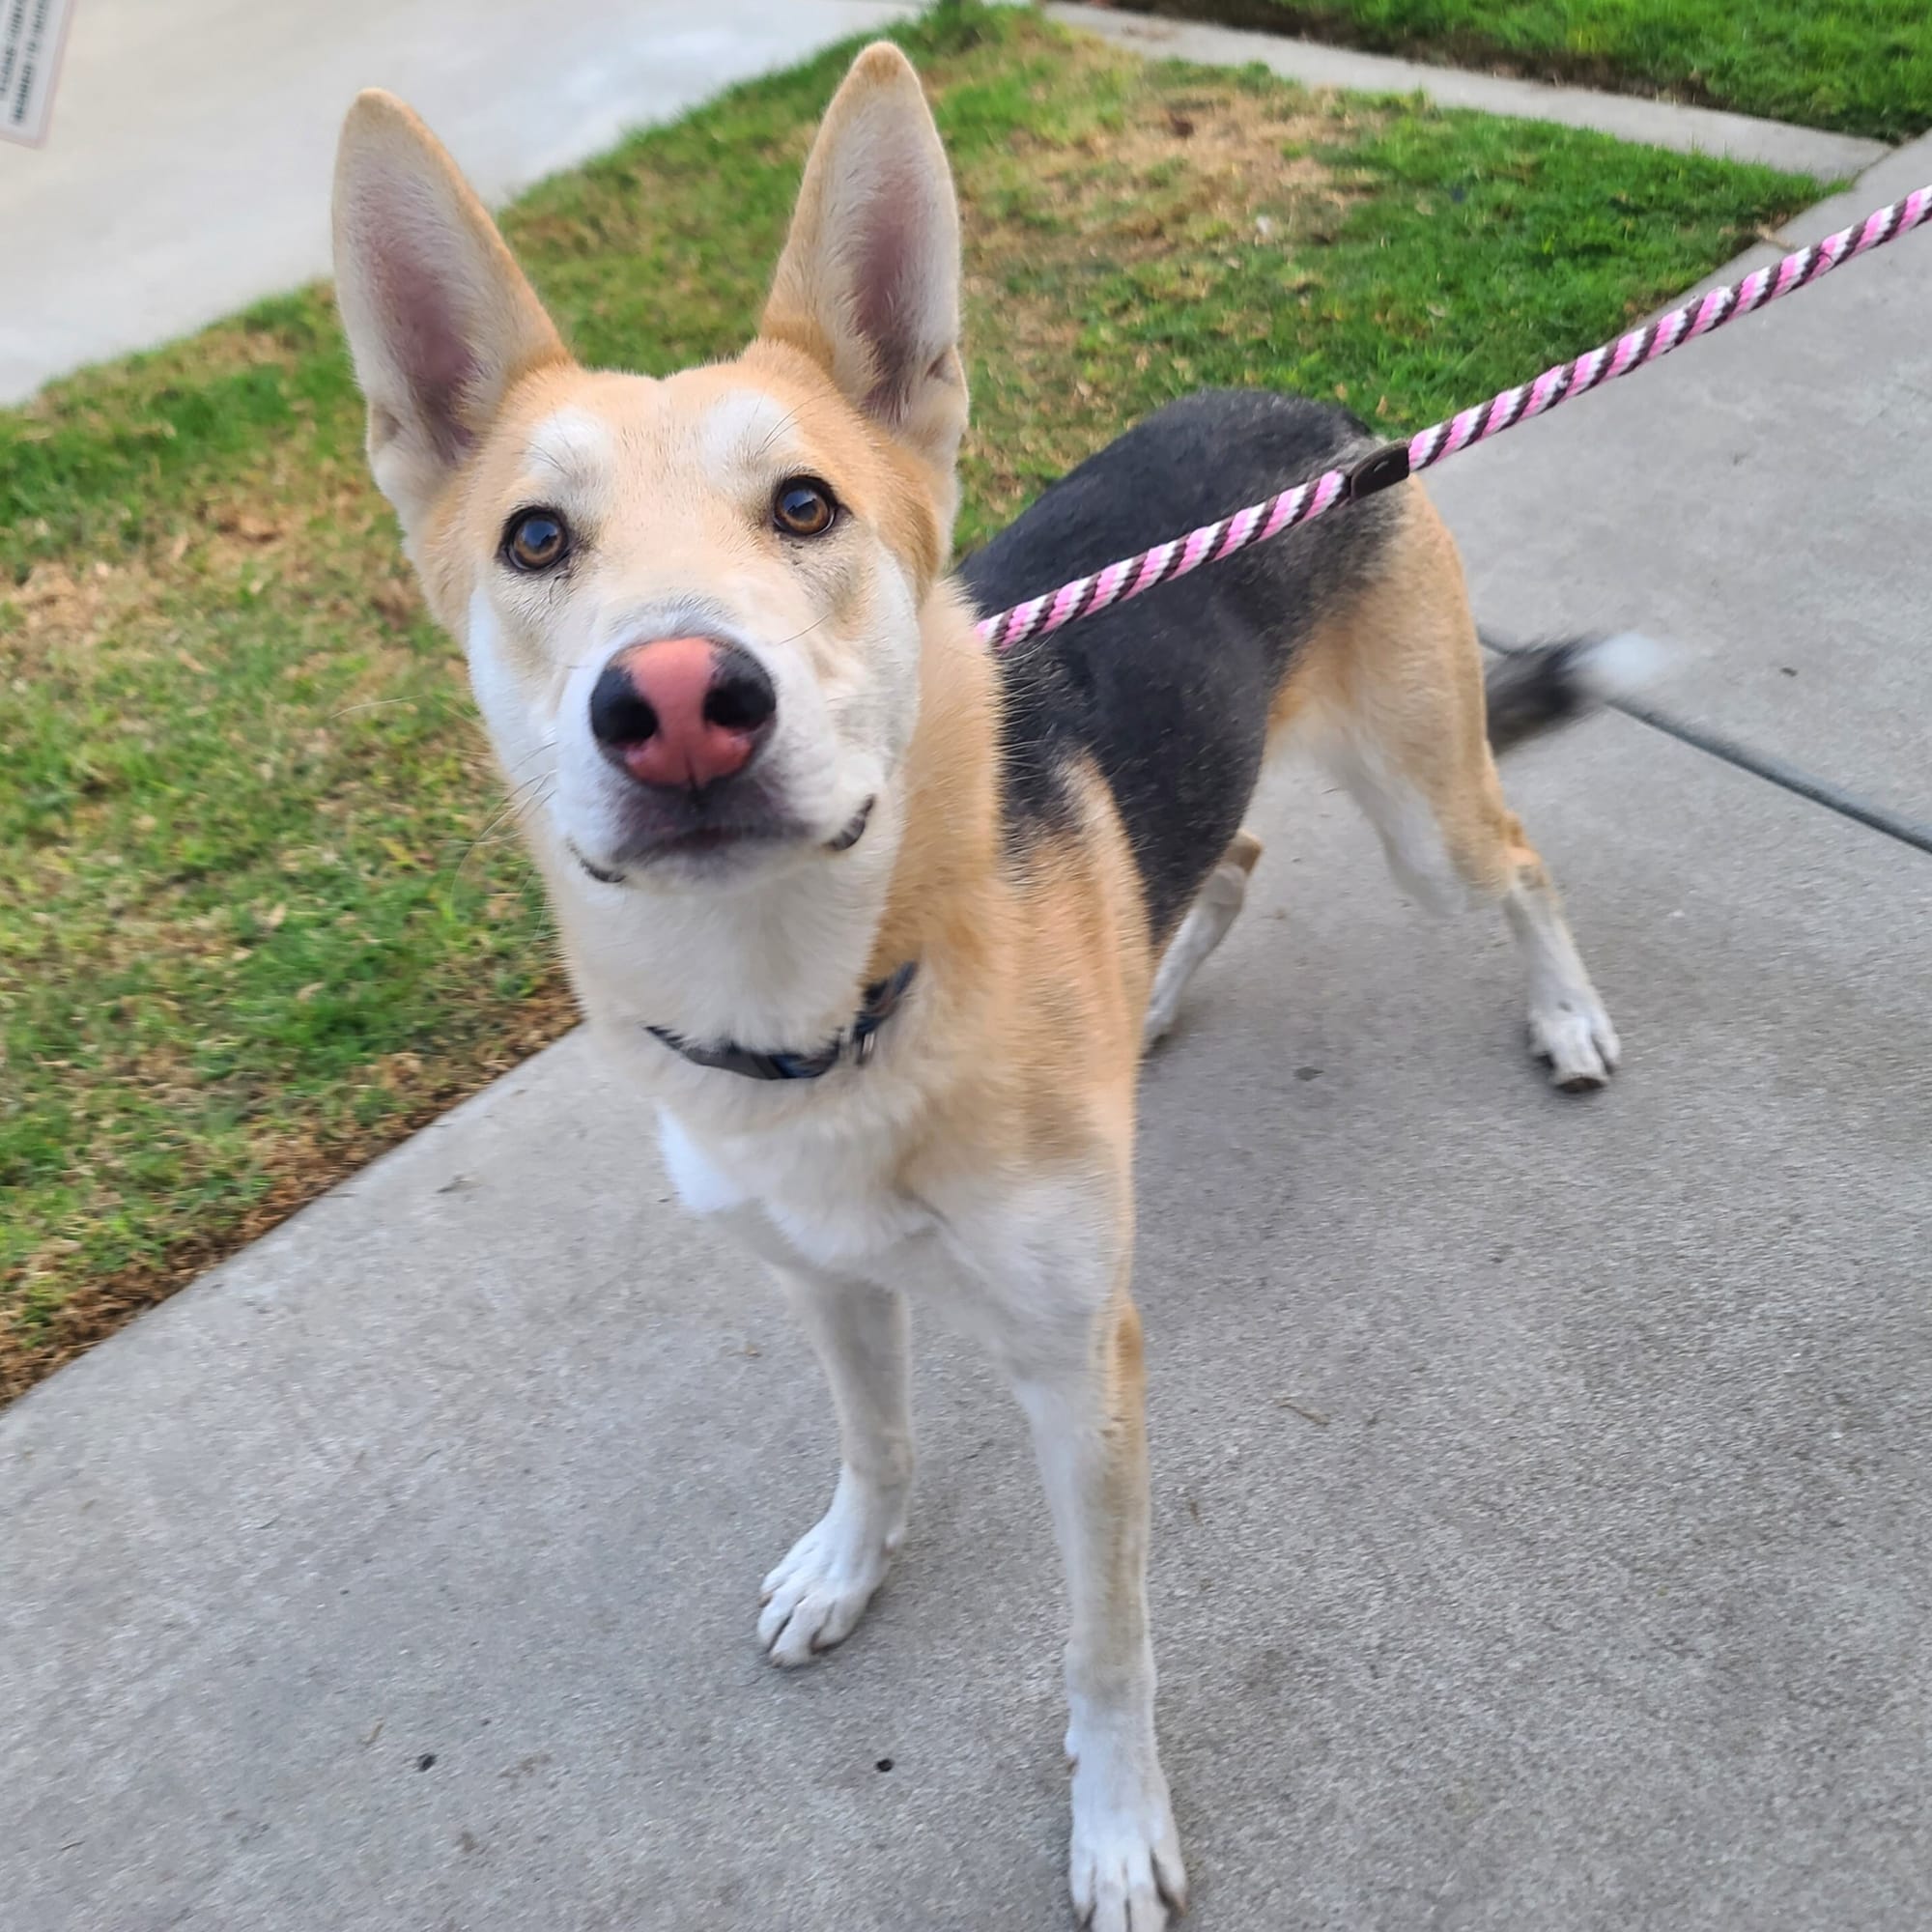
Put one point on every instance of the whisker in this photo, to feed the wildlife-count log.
(806, 633)
(784, 423)
(371, 704)
(547, 745)
(519, 800)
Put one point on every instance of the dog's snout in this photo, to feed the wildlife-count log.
(682, 711)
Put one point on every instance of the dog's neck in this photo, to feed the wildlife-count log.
(783, 964)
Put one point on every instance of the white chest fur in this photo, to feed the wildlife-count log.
(1007, 1261)
(826, 1199)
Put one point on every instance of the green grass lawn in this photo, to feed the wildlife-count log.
(1862, 66)
(259, 913)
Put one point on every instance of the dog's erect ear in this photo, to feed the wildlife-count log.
(440, 318)
(869, 284)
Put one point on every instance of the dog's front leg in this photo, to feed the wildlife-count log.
(815, 1597)
(1079, 1378)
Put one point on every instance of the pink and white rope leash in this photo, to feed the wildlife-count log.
(1133, 575)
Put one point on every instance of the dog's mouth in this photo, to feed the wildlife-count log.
(597, 872)
(855, 830)
(703, 847)
(701, 843)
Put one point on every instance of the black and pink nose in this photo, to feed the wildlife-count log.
(682, 711)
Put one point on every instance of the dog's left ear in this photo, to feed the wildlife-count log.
(868, 283)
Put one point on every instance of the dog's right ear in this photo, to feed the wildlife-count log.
(440, 318)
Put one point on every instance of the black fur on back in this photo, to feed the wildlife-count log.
(1169, 696)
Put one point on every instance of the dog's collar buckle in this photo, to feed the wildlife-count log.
(858, 1042)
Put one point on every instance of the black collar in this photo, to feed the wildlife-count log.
(881, 1001)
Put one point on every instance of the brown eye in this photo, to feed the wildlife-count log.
(803, 507)
(535, 540)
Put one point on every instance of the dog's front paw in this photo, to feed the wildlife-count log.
(816, 1596)
(1573, 1036)
(1126, 1871)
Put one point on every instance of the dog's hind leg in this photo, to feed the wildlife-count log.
(1204, 928)
(815, 1597)
(1568, 1029)
(1399, 689)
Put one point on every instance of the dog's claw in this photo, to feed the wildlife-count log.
(815, 1598)
(1126, 1871)
(1578, 1045)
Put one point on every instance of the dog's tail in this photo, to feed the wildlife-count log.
(1536, 688)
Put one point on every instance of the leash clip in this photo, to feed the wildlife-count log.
(1378, 470)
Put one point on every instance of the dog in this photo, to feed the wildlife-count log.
(883, 923)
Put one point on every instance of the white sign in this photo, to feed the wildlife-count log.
(32, 35)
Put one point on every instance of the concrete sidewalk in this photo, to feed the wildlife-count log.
(1787, 460)
(188, 168)
(1540, 1486)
